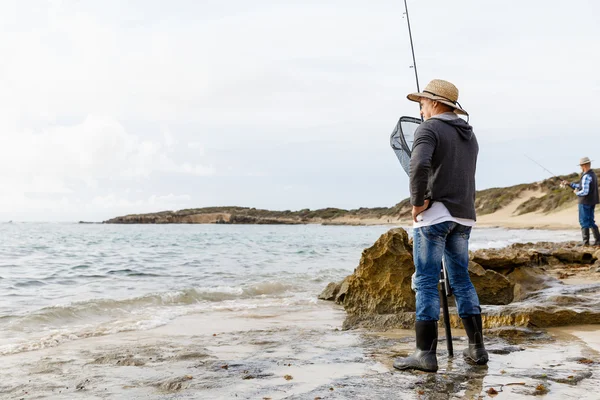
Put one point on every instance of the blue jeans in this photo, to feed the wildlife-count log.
(586, 216)
(450, 241)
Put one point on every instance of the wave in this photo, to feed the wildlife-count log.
(35, 336)
(58, 336)
(131, 272)
(30, 283)
(105, 307)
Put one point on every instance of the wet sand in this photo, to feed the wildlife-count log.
(283, 353)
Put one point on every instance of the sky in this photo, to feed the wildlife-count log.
(111, 107)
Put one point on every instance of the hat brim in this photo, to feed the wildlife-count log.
(418, 96)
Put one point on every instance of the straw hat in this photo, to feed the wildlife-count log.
(584, 160)
(442, 91)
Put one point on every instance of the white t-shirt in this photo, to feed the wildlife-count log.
(438, 213)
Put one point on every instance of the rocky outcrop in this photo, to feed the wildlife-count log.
(381, 283)
(204, 218)
(502, 258)
(244, 219)
(527, 281)
(492, 287)
(246, 215)
(534, 254)
(515, 286)
(572, 256)
(556, 306)
(172, 218)
(330, 291)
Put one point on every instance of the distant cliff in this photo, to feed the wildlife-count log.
(549, 197)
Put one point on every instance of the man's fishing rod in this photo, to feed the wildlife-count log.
(412, 49)
(445, 283)
(545, 169)
(563, 183)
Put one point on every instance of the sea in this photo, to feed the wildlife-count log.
(64, 283)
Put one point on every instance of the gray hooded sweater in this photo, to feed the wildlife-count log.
(442, 164)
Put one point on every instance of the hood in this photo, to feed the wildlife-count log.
(462, 127)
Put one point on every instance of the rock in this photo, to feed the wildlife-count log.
(381, 284)
(330, 291)
(556, 306)
(561, 376)
(572, 256)
(378, 294)
(476, 270)
(502, 258)
(528, 280)
(553, 261)
(342, 291)
(542, 253)
(504, 349)
(492, 287)
(403, 320)
(516, 333)
(176, 384)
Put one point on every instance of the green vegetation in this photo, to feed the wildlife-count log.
(491, 200)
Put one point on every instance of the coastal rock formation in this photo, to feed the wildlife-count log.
(381, 283)
(246, 215)
(556, 306)
(502, 258)
(517, 285)
(330, 291)
(492, 287)
(527, 281)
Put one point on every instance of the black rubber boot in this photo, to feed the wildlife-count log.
(585, 235)
(424, 357)
(596, 235)
(476, 352)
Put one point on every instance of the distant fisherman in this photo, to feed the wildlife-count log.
(587, 192)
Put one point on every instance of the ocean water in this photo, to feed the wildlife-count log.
(65, 282)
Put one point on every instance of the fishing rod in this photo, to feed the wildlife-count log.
(444, 282)
(412, 49)
(544, 168)
(562, 184)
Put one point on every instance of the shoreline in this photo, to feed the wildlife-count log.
(516, 224)
(564, 217)
(272, 353)
(525, 222)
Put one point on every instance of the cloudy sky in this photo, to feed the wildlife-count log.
(112, 107)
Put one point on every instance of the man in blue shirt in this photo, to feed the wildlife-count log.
(587, 193)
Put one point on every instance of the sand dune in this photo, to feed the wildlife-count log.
(563, 218)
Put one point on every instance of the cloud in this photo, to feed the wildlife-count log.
(232, 100)
(62, 207)
(68, 159)
(154, 202)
